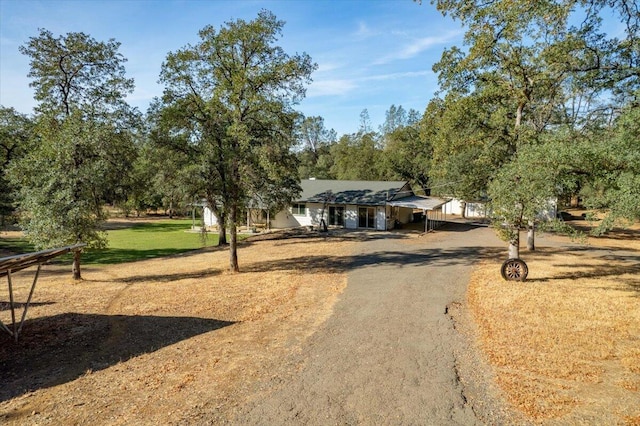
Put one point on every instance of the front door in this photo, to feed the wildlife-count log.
(336, 216)
(366, 217)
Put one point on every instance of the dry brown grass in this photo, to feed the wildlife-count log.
(178, 333)
(566, 343)
(626, 238)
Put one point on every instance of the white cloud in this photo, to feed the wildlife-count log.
(328, 66)
(398, 75)
(416, 47)
(420, 45)
(363, 30)
(330, 87)
(335, 87)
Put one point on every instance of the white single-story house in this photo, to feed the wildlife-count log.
(350, 204)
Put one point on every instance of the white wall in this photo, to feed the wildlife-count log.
(473, 209)
(209, 218)
(315, 214)
(481, 210)
(381, 222)
(286, 219)
(351, 217)
(405, 215)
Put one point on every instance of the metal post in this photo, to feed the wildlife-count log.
(426, 221)
(26, 306)
(11, 298)
(193, 216)
(11, 305)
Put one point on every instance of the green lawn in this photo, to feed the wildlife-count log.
(142, 241)
(146, 241)
(16, 245)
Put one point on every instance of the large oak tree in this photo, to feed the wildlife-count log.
(228, 103)
(82, 134)
(529, 65)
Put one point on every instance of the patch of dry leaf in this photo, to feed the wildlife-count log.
(565, 344)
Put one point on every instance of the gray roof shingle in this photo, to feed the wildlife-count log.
(358, 192)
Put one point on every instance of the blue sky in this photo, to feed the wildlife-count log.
(370, 53)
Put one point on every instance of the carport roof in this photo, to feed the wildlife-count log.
(418, 202)
(357, 192)
(19, 262)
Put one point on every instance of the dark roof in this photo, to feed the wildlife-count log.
(359, 192)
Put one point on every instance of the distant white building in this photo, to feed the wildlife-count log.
(477, 209)
(481, 209)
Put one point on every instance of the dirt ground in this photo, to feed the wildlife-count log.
(178, 333)
(389, 353)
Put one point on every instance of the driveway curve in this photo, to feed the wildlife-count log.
(387, 355)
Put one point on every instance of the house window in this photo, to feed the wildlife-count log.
(299, 209)
(366, 217)
(336, 216)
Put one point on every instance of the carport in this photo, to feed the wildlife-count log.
(12, 264)
(430, 206)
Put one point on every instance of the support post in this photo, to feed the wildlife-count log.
(4, 327)
(11, 305)
(426, 221)
(17, 327)
(193, 216)
(26, 306)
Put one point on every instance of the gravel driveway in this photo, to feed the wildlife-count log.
(388, 354)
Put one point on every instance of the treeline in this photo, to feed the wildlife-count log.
(398, 150)
(143, 170)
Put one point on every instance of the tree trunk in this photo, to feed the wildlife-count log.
(531, 236)
(575, 202)
(514, 246)
(463, 207)
(75, 268)
(222, 230)
(233, 247)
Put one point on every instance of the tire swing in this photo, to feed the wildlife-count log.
(514, 270)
